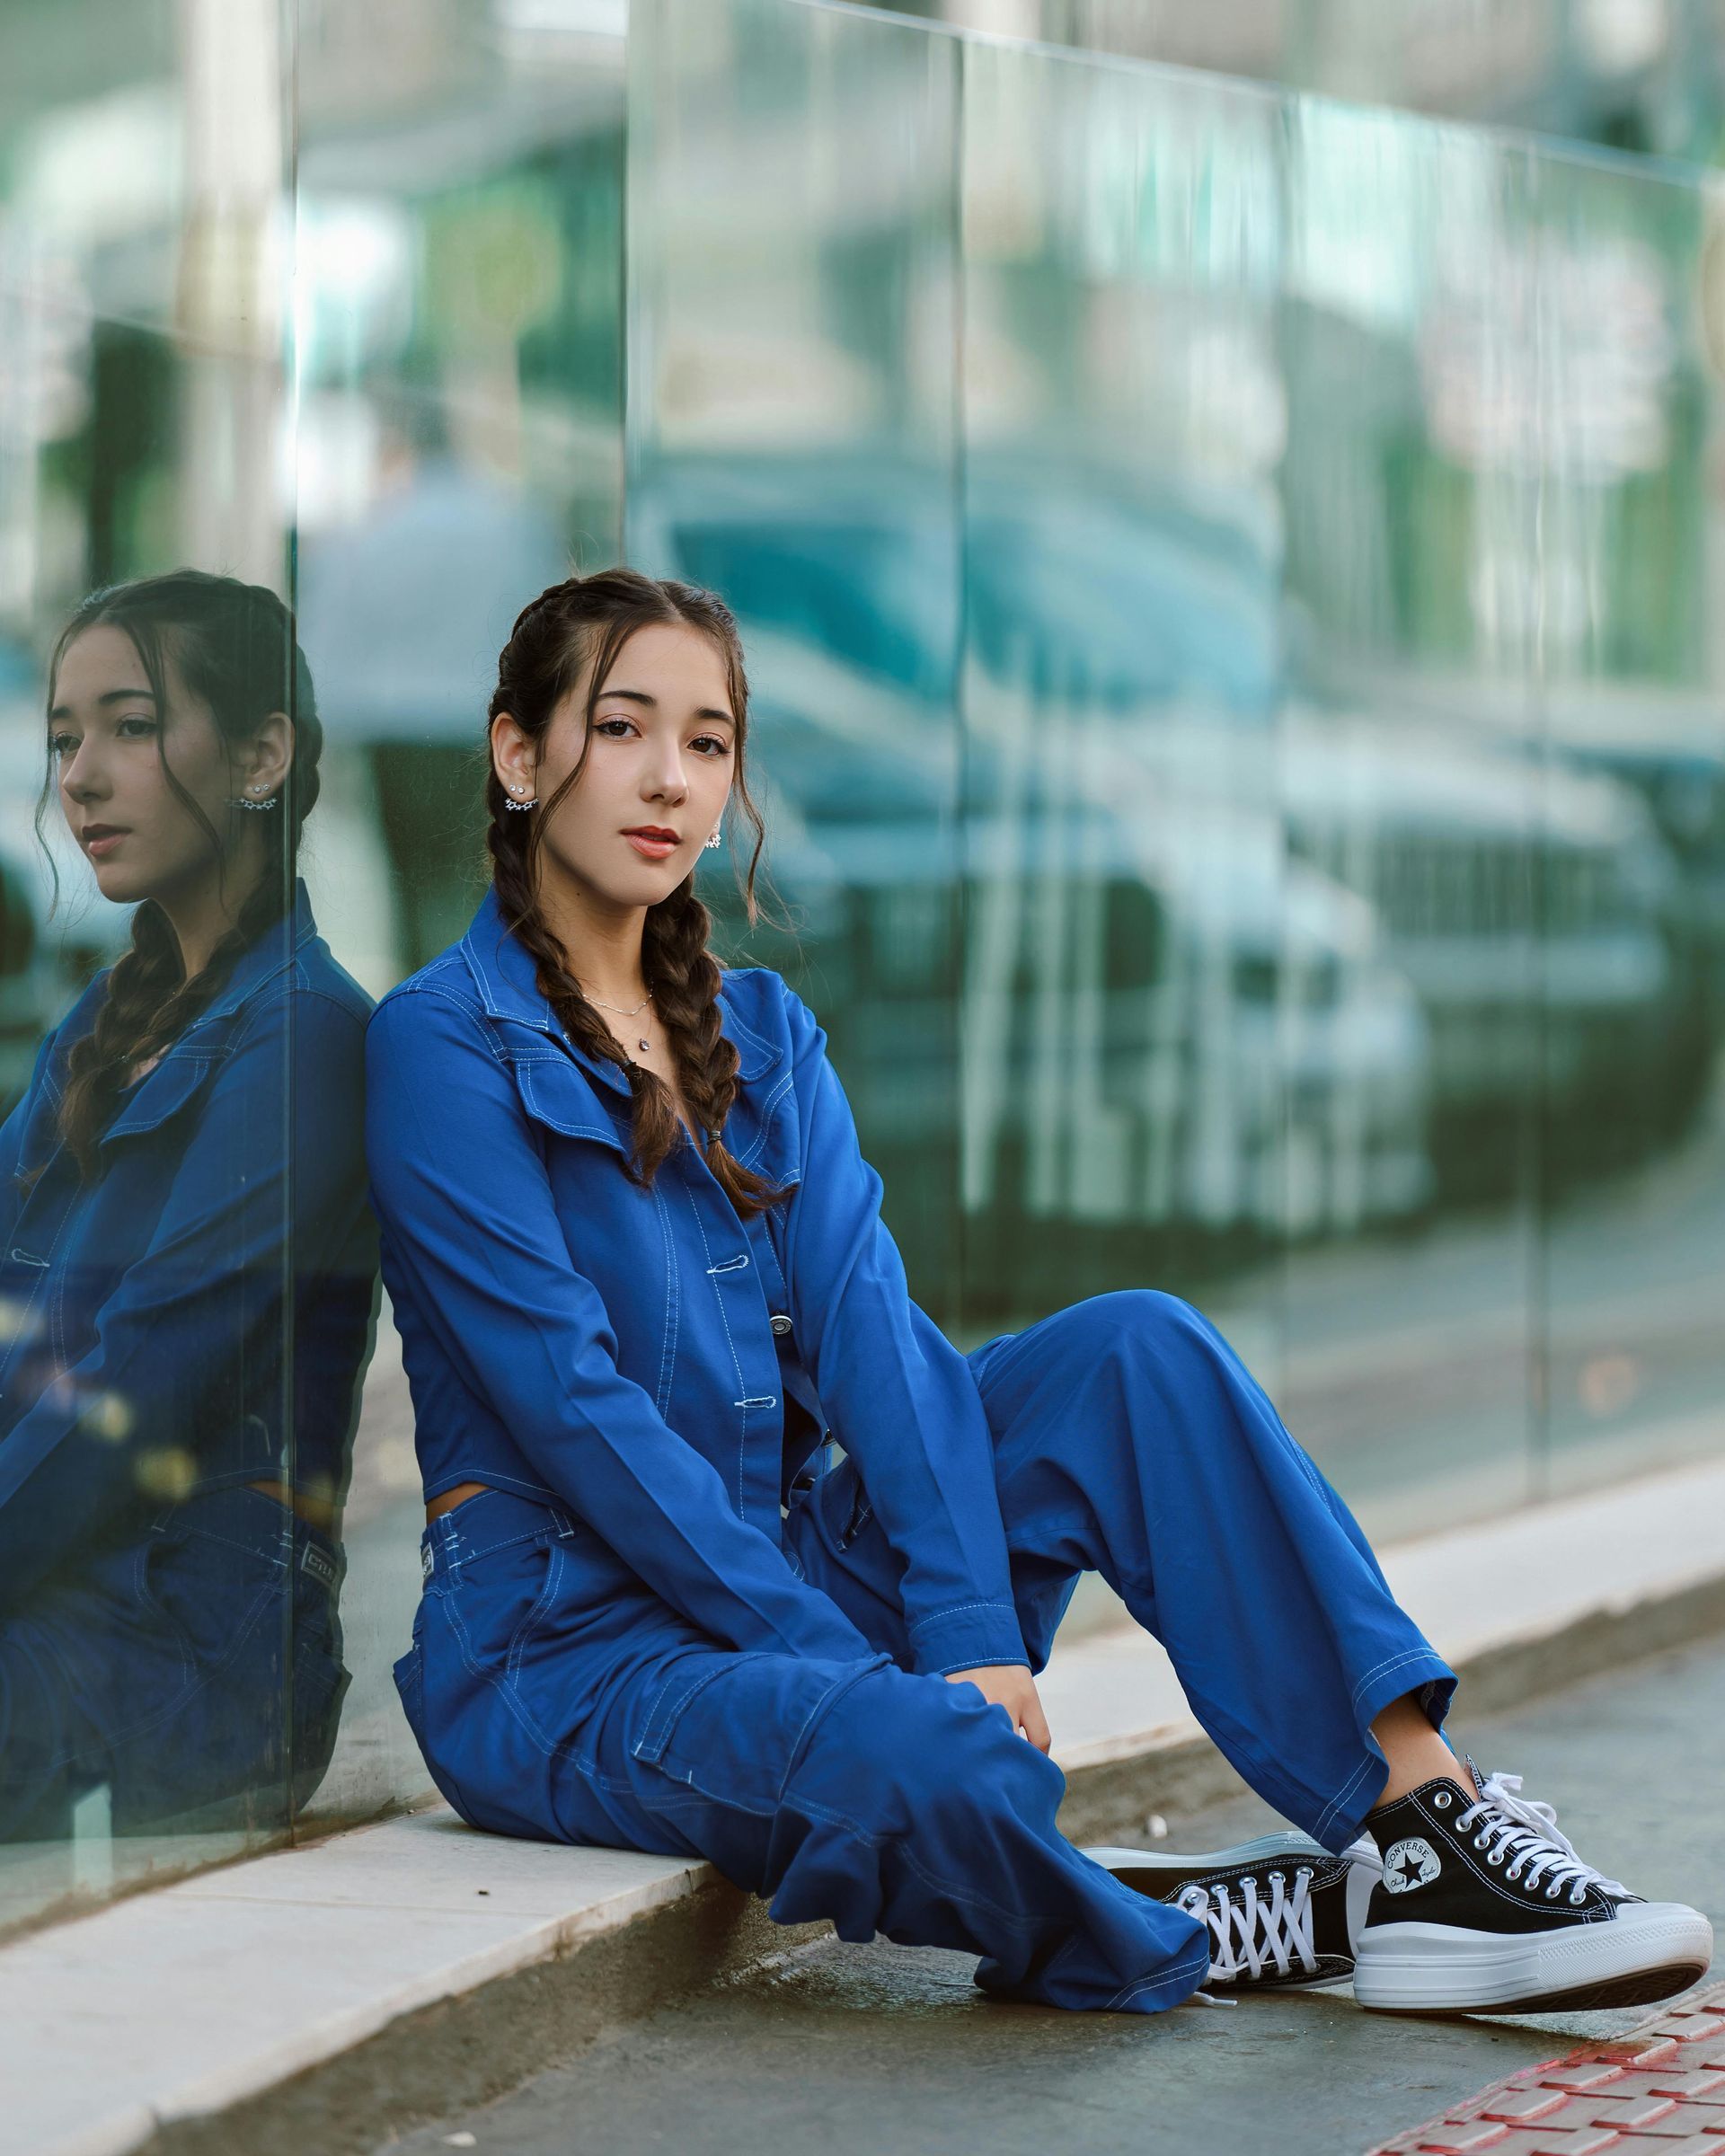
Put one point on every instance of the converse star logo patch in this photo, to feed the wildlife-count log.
(1410, 1864)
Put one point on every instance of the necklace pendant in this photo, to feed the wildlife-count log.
(645, 1042)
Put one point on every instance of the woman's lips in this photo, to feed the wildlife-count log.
(654, 848)
(97, 847)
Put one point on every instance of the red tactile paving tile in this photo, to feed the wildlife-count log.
(1641, 2051)
(1584, 2072)
(1695, 2144)
(1550, 2141)
(1633, 2114)
(1522, 2107)
(1463, 2139)
(1666, 2080)
(1657, 2139)
(1658, 2091)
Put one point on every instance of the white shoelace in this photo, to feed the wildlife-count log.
(1247, 1932)
(1527, 1832)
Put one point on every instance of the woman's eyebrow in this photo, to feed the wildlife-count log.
(64, 710)
(704, 711)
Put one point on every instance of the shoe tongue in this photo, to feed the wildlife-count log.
(1478, 1779)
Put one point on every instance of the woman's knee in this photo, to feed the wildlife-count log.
(1133, 1324)
(902, 1756)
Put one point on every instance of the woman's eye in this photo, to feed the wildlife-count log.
(148, 724)
(58, 743)
(599, 727)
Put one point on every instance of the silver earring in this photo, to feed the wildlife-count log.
(522, 805)
(715, 840)
(236, 800)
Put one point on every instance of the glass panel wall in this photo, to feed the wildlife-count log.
(1411, 1299)
(1322, 476)
(1621, 358)
(793, 425)
(1224, 578)
(456, 448)
(187, 1270)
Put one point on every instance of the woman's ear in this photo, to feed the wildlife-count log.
(270, 756)
(512, 756)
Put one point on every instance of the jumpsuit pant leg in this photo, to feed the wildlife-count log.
(1129, 1439)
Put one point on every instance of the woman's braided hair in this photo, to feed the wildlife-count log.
(587, 620)
(235, 648)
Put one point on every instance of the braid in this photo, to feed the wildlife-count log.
(686, 977)
(555, 636)
(149, 1004)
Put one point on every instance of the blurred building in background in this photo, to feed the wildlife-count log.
(1223, 507)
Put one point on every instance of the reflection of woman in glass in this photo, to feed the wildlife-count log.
(639, 1267)
(187, 1267)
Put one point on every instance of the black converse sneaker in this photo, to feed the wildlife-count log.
(1282, 1911)
(1486, 1908)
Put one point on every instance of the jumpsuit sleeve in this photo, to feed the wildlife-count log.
(469, 1223)
(901, 1397)
(175, 1338)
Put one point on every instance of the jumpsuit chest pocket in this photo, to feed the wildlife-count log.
(557, 1096)
(177, 1083)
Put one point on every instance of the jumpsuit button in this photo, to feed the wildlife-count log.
(780, 1323)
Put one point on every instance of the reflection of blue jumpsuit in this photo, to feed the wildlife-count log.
(195, 1321)
(628, 1641)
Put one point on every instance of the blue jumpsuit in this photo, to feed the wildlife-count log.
(193, 1322)
(674, 1623)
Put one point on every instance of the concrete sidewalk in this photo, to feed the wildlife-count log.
(290, 2000)
(857, 2049)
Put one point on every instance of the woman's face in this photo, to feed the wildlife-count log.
(102, 734)
(662, 751)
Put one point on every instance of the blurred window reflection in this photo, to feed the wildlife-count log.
(191, 1267)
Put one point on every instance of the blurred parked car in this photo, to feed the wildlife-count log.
(1526, 903)
(1068, 1013)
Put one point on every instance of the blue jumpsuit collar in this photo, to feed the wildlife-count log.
(266, 955)
(504, 968)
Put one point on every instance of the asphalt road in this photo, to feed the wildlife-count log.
(855, 2050)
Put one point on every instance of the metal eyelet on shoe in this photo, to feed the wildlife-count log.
(1481, 1839)
(1441, 1802)
(1577, 1897)
(1497, 1858)
(1553, 1890)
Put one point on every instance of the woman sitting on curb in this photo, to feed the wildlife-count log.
(627, 1225)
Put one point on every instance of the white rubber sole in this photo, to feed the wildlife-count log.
(1367, 1866)
(1647, 1951)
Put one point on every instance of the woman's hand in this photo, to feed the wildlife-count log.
(1011, 1685)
